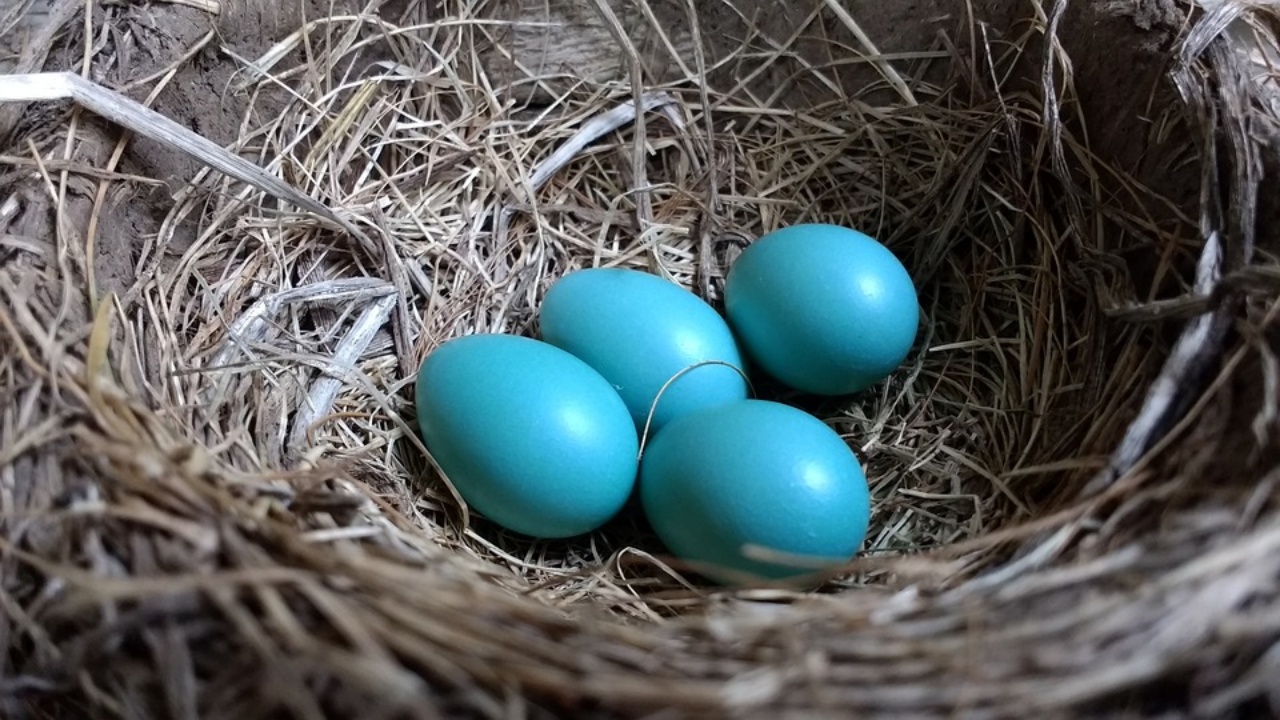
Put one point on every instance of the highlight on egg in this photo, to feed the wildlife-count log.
(755, 490)
(531, 437)
(652, 339)
(822, 308)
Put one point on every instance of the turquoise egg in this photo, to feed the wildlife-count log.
(639, 331)
(754, 473)
(822, 308)
(530, 436)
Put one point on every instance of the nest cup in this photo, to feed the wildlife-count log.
(216, 503)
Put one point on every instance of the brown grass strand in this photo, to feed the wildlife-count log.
(177, 542)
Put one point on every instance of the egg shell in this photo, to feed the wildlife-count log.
(754, 473)
(824, 309)
(530, 436)
(639, 331)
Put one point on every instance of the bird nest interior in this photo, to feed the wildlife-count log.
(211, 468)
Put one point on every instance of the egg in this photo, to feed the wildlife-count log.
(754, 474)
(640, 331)
(823, 309)
(530, 436)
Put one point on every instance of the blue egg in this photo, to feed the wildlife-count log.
(822, 308)
(530, 436)
(716, 483)
(639, 331)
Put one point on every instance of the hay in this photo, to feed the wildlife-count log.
(216, 505)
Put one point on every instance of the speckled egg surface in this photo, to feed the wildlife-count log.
(639, 331)
(532, 437)
(754, 473)
(822, 308)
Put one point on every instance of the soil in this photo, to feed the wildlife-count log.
(1117, 79)
(1120, 62)
(569, 36)
(145, 39)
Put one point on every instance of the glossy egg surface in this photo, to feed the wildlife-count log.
(755, 473)
(532, 437)
(640, 331)
(824, 309)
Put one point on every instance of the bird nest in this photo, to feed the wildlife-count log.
(215, 500)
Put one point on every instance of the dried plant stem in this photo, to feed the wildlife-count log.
(214, 501)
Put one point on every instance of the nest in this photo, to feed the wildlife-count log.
(216, 504)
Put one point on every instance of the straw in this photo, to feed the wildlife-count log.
(215, 502)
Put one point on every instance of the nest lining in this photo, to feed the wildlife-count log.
(1009, 376)
(199, 462)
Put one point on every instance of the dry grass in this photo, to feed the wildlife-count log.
(1001, 386)
(216, 503)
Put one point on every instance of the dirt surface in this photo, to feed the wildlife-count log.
(1118, 80)
(568, 36)
(142, 41)
(1120, 62)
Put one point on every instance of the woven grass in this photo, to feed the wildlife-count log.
(216, 504)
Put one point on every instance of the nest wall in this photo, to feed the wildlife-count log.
(215, 500)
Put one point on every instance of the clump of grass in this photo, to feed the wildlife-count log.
(218, 503)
